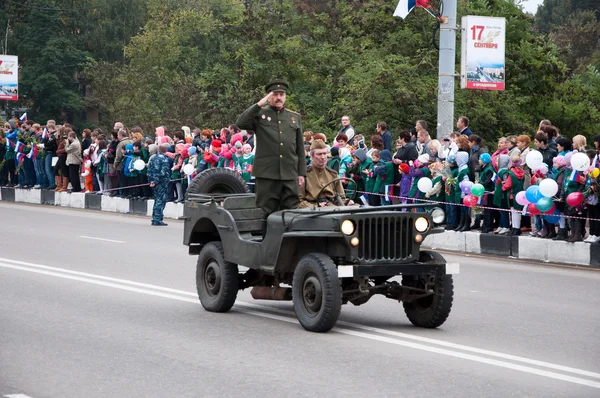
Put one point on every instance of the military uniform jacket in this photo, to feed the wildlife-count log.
(280, 150)
(315, 180)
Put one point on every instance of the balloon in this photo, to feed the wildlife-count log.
(424, 184)
(466, 186)
(188, 169)
(568, 157)
(477, 189)
(595, 173)
(534, 159)
(548, 187)
(533, 194)
(552, 209)
(139, 165)
(543, 169)
(485, 158)
(544, 204)
(552, 218)
(521, 199)
(575, 199)
(532, 209)
(470, 200)
(192, 150)
(580, 161)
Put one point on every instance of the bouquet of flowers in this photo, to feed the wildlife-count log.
(443, 169)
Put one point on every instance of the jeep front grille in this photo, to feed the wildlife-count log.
(385, 238)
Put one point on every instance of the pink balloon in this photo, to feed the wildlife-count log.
(521, 198)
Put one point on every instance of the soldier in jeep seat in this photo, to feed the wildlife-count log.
(317, 177)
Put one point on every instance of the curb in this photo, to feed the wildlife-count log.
(520, 247)
(80, 200)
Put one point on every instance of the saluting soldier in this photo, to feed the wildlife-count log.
(318, 176)
(279, 163)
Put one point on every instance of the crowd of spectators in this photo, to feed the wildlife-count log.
(380, 170)
(51, 156)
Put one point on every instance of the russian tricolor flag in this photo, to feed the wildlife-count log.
(23, 117)
(45, 134)
(389, 192)
(406, 6)
(19, 147)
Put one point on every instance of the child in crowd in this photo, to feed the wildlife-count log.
(246, 162)
(87, 175)
(500, 199)
(462, 161)
(437, 192)
(384, 175)
(334, 162)
(560, 170)
(374, 199)
(512, 185)
(405, 183)
(452, 210)
(226, 160)
(100, 164)
(418, 170)
(211, 156)
(363, 167)
(486, 178)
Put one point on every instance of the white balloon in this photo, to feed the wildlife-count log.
(548, 187)
(188, 169)
(424, 184)
(580, 161)
(139, 165)
(534, 159)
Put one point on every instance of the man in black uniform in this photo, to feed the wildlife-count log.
(279, 164)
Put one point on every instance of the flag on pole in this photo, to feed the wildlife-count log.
(45, 134)
(20, 157)
(23, 117)
(404, 7)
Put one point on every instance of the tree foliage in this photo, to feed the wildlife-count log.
(202, 62)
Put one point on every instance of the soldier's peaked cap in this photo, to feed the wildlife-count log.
(318, 144)
(277, 85)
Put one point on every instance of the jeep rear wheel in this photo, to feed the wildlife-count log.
(216, 279)
(433, 310)
(317, 292)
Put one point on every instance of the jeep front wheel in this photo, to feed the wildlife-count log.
(433, 310)
(317, 292)
(216, 279)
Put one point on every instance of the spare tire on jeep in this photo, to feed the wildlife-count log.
(217, 181)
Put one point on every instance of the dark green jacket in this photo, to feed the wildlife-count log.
(279, 143)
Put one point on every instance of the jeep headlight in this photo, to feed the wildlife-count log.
(348, 227)
(421, 224)
(438, 215)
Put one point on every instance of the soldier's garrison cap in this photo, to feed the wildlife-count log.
(318, 144)
(277, 85)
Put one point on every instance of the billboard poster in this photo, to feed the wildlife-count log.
(9, 77)
(483, 48)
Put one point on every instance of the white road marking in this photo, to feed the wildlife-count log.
(473, 291)
(102, 239)
(122, 284)
(16, 396)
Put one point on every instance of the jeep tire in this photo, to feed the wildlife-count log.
(317, 292)
(216, 279)
(217, 180)
(431, 311)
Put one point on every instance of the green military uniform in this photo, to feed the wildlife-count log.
(279, 158)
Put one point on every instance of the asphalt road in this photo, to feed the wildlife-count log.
(104, 305)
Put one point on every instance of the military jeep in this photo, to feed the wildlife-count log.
(317, 258)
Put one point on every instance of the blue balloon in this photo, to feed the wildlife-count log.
(552, 218)
(485, 158)
(533, 194)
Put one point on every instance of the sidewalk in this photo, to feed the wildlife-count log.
(520, 247)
